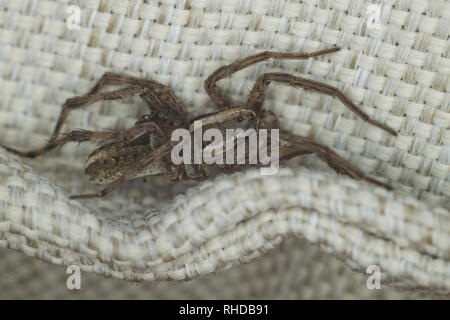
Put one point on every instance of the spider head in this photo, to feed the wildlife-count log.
(241, 118)
(236, 118)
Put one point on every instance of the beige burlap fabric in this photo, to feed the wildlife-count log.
(394, 64)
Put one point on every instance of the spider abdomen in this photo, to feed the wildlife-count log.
(110, 161)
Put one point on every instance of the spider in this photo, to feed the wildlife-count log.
(144, 149)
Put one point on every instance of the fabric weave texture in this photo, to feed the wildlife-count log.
(394, 63)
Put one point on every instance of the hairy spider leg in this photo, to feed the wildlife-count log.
(93, 136)
(335, 161)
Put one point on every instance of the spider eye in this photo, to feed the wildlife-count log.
(240, 119)
(252, 116)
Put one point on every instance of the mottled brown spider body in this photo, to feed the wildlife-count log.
(144, 149)
(108, 162)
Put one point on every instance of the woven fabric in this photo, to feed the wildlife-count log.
(302, 271)
(396, 69)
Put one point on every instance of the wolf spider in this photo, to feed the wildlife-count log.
(144, 148)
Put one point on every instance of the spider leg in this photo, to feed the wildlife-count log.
(86, 135)
(222, 100)
(287, 152)
(335, 161)
(111, 78)
(154, 93)
(82, 101)
(130, 173)
(256, 98)
(158, 96)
